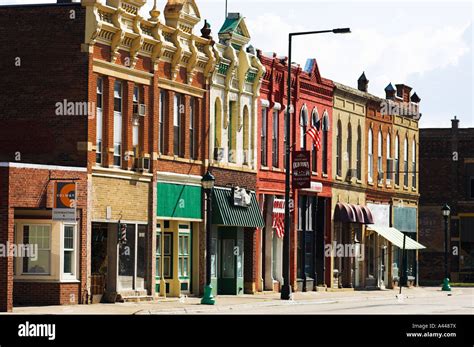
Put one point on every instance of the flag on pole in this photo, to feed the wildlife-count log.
(314, 133)
(279, 217)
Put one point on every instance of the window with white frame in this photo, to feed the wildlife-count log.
(379, 157)
(136, 122)
(389, 158)
(118, 123)
(177, 120)
(69, 250)
(275, 138)
(192, 127)
(405, 162)
(396, 162)
(39, 236)
(413, 163)
(161, 122)
(370, 161)
(359, 153)
(99, 120)
(303, 125)
(349, 146)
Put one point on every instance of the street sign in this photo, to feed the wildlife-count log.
(64, 202)
(301, 170)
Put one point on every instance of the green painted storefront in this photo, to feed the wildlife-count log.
(228, 233)
(178, 216)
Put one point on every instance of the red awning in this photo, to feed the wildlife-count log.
(349, 213)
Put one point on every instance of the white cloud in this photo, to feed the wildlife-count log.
(385, 57)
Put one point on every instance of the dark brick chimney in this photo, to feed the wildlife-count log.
(403, 92)
(363, 83)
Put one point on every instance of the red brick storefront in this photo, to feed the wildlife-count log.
(312, 102)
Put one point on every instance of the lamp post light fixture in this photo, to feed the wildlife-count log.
(208, 181)
(446, 212)
(286, 288)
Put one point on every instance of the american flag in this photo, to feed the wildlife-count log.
(279, 217)
(315, 134)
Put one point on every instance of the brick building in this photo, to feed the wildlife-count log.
(447, 176)
(234, 92)
(131, 95)
(312, 103)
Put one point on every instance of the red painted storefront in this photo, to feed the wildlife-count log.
(312, 99)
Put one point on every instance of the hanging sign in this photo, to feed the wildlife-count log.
(64, 204)
(301, 170)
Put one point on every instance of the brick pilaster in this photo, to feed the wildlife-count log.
(6, 235)
(168, 122)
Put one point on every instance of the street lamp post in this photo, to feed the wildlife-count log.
(446, 212)
(208, 181)
(286, 288)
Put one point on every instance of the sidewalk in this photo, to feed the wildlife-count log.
(191, 305)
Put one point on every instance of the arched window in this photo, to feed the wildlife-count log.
(380, 157)
(405, 162)
(303, 125)
(413, 161)
(359, 153)
(325, 128)
(315, 122)
(232, 132)
(218, 155)
(389, 158)
(339, 148)
(349, 146)
(396, 162)
(370, 161)
(246, 135)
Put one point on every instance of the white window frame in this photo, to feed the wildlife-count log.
(370, 171)
(49, 249)
(380, 156)
(73, 275)
(99, 121)
(389, 157)
(117, 135)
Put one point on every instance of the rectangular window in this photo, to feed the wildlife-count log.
(40, 237)
(99, 120)
(161, 125)
(275, 136)
(371, 167)
(396, 168)
(118, 123)
(314, 159)
(263, 137)
(231, 155)
(405, 176)
(177, 120)
(164, 252)
(325, 152)
(136, 122)
(472, 187)
(184, 255)
(69, 258)
(285, 140)
(192, 126)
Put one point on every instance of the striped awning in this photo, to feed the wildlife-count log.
(226, 213)
(395, 237)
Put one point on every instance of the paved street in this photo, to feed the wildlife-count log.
(413, 301)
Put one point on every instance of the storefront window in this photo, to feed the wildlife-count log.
(69, 249)
(184, 253)
(467, 244)
(228, 258)
(214, 257)
(39, 235)
(240, 263)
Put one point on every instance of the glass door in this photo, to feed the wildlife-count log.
(126, 270)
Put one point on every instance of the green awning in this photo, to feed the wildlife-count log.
(224, 212)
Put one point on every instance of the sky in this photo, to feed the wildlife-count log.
(427, 45)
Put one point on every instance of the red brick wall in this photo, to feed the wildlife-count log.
(32, 188)
(52, 69)
(37, 294)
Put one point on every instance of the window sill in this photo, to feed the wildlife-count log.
(325, 175)
(314, 173)
(358, 181)
(338, 178)
(370, 183)
(413, 189)
(405, 187)
(380, 185)
(264, 168)
(276, 169)
(397, 186)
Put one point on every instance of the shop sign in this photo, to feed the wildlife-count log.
(64, 202)
(301, 170)
(241, 197)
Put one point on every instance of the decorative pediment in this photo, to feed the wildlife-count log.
(182, 14)
(234, 31)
